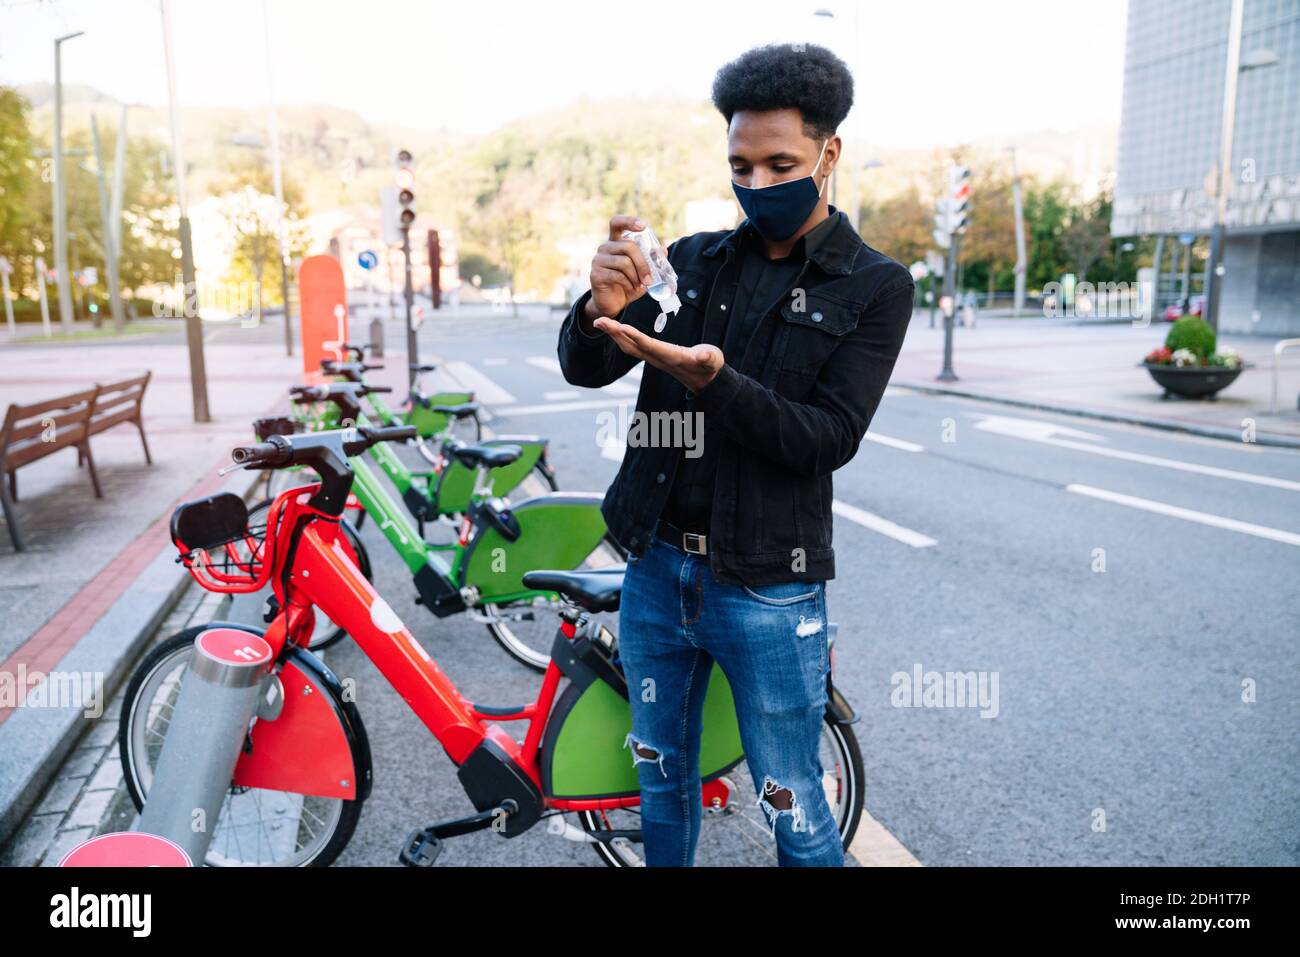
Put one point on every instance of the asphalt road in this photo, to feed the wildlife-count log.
(1127, 599)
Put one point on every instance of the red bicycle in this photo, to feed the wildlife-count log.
(305, 770)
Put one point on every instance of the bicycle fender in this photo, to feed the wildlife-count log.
(317, 745)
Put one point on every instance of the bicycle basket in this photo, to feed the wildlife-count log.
(219, 547)
(275, 425)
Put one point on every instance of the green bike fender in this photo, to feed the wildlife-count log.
(429, 423)
(584, 750)
(557, 530)
(457, 480)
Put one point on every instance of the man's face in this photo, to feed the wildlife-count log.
(770, 146)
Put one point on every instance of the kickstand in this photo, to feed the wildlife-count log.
(422, 846)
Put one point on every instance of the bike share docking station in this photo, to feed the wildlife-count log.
(224, 687)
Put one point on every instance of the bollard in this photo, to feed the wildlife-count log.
(126, 849)
(217, 700)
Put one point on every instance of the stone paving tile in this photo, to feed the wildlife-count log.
(90, 810)
(104, 733)
(83, 761)
(109, 775)
(61, 795)
(31, 843)
(65, 842)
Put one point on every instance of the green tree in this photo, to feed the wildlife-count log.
(18, 177)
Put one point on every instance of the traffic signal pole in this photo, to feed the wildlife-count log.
(950, 299)
(412, 344)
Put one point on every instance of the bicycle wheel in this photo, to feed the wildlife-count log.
(738, 834)
(255, 826)
(527, 630)
(325, 632)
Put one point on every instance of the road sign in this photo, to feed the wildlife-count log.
(941, 238)
(367, 260)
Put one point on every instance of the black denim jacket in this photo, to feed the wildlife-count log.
(791, 408)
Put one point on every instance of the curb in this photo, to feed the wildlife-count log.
(34, 742)
(1168, 425)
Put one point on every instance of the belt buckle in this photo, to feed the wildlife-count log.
(700, 542)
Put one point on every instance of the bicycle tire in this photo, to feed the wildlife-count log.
(350, 812)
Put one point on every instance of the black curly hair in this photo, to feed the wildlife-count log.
(780, 76)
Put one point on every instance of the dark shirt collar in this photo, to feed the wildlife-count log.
(831, 244)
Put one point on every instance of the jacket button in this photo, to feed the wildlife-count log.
(816, 317)
(660, 478)
(691, 293)
(723, 307)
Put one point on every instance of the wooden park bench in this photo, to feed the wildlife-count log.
(32, 432)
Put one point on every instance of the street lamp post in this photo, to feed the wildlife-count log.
(277, 176)
(60, 197)
(193, 324)
(1214, 268)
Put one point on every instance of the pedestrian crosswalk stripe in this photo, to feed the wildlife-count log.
(551, 364)
(882, 525)
(893, 443)
(485, 390)
(1188, 514)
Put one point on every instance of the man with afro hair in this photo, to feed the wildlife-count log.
(773, 366)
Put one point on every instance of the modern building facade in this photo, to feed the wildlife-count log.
(1170, 131)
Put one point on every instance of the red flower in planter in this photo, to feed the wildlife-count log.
(1160, 356)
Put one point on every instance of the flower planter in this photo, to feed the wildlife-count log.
(1193, 382)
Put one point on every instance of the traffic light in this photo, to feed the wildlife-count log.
(959, 192)
(404, 179)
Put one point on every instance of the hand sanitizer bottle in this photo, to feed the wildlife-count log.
(663, 278)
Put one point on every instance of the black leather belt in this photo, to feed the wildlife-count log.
(689, 542)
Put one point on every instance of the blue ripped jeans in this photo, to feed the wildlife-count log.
(771, 643)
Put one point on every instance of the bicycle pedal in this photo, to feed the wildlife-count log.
(421, 849)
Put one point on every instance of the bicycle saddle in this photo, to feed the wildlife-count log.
(493, 457)
(462, 411)
(595, 590)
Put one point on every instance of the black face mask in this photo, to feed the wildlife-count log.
(778, 210)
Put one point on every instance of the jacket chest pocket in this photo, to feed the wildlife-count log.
(686, 326)
(809, 335)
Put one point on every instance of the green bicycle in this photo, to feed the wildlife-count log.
(481, 570)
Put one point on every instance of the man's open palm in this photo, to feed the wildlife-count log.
(692, 366)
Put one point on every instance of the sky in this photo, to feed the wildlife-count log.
(928, 72)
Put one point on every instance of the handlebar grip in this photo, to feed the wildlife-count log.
(378, 388)
(303, 394)
(390, 433)
(263, 453)
(368, 366)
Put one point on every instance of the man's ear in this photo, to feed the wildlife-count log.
(832, 155)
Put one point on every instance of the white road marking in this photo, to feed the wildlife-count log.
(484, 389)
(873, 846)
(551, 364)
(1191, 515)
(1180, 466)
(562, 395)
(893, 443)
(1043, 432)
(882, 525)
(495, 362)
(1036, 430)
(614, 451)
(576, 406)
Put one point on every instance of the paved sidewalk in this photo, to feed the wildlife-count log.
(1092, 369)
(98, 573)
